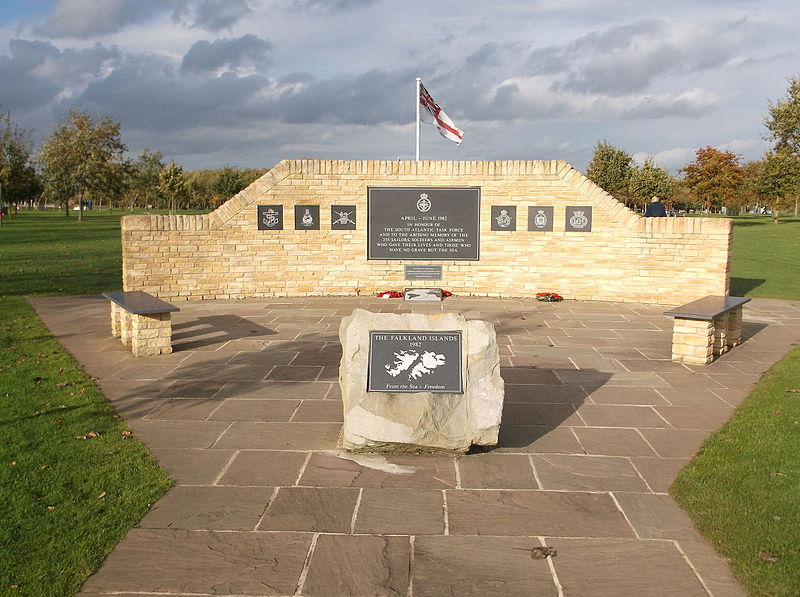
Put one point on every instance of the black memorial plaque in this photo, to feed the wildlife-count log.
(270, 217)
(540, 218)
(343, 217)
(306, 217)
(578, 218)
(504, 217)
(423, 272)
(424, 223)
(405, 362)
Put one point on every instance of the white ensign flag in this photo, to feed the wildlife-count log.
(431, 113)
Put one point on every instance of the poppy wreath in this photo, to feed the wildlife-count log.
(549, 297)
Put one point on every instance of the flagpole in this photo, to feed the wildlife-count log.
(416, 101)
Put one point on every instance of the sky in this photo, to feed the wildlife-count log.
(247, 83)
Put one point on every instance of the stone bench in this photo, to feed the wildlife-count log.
(706, 328)
(141, 321)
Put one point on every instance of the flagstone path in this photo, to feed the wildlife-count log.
(245, 415)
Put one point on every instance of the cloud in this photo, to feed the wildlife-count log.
(41, 72)
(373, 97)
(149, 93)
(333, 6)
(85, 19)
(214, 15)
(205, 57)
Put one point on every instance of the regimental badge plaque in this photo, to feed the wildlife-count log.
(270, 217)
(540, 218)
(343, 217)
(306, 217)
(411, 361)
(504, 217)
(578, 218)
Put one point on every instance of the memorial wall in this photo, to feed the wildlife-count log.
(511, 228)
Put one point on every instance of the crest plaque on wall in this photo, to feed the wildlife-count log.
(270, 217)
(306, 217)
(578, 218)
(540, 218)
(504, 217)
(343, 217)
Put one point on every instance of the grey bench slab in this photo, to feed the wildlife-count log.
(708, 308)
(139, 302)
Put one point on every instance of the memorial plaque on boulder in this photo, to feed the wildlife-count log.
(578, 218)
(424, 223)
(270, 217)
(450, 367)
(540, 218)
(415, 361)
(306, 217)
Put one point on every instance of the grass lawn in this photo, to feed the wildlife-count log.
(72, 478)
(743, 489)
(765, 257)
(64, 502)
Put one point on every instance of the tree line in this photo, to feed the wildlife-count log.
(84, 160)
(715, 179)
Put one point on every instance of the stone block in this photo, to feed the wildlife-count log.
(420, 421)
(116, 320)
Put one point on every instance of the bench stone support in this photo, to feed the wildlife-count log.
(734, 337)
(151, 334)
(116, 320)
(693, 341)
(720, 334)
(124, 326)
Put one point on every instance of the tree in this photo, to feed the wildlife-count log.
(142, 178)
(715, 177)
(18, 180)
(610, 168)
(778, 179)
(649, 180)
(784, 119)
(82, 158)
(784, 126)
(172, 186)
(228, 183)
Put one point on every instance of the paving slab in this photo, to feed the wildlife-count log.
(359, 565)
(246, 412)
(480, 567)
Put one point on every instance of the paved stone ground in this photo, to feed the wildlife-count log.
(245, 414)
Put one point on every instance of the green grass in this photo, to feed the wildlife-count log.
(743, 488)
(765, 257)
(64, 502)
(45, 253)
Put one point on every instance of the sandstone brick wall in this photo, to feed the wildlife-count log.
(624, 258)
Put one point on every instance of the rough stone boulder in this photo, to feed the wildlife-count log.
(420, 421)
